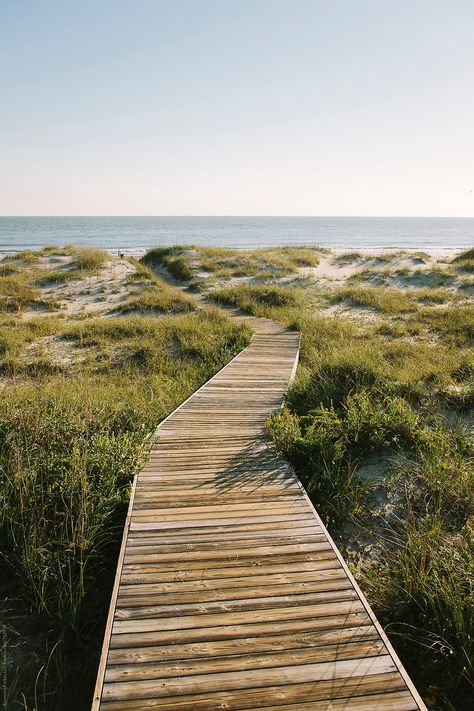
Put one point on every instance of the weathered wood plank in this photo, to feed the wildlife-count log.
(242, 662)
(259, 698)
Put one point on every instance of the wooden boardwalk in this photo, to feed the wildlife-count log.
(229, 593)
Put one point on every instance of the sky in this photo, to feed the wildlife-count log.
(237, 107)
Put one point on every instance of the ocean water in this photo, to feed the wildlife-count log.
(137, 233)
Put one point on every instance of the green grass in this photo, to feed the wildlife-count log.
(223, 263)
(15, 334)
(7, 269)
(390, 386)
(360, 394)
(70, 443)
(388, 301)
(257, 300)
(348, 258)
(85, 262)
(16, 292)
(464, 262)
(156, 295)
(258, 263)
(416, 278)
(155, 299)
(173, 259)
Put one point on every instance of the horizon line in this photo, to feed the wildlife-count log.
(447, 217)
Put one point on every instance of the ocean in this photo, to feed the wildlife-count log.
(134, 234)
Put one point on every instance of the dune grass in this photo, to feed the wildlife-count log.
(416, 278)
(383, 388)
(173, 259)
(70, 442)
(155, 295)
(421, 586)
(109, 412)
(88, 259)
(7, 268)
(84, 262)
(464, 262)
(258, 263)
(348, 258)
(27, 256)
(155, 299)
(397, 385)
(357, 395)
(384, 300)
(184, 263)
(16, 292)
(396, 302)
(16, 333)
(256, 300)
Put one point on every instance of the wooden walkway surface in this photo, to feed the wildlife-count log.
(230, 593)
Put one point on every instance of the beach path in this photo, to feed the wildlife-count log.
(229, 592)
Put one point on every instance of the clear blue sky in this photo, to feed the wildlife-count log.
(269, 107)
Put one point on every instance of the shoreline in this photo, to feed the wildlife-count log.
(137, 252)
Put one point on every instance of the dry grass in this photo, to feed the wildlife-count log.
(464, 262)
(390, 384)
(16, 292)
(72, 433)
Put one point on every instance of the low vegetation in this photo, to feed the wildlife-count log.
(464, 262)
(394, 389)
(405, 277)
(155, 295)
(256, 300)
(391, 300)
(16, 292)
(258, 263)
(173, 259)
(79, 397)
(84, 262)
(361, 395)
(376, 425)
(155, 299)
(191, 263)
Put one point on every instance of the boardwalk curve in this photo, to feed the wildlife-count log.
(230, 593)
